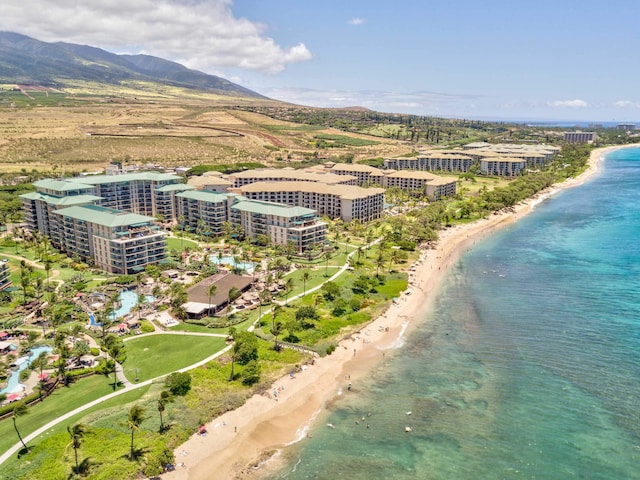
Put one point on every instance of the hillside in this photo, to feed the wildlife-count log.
(25, 60)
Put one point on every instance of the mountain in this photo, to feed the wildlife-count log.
(29, 61)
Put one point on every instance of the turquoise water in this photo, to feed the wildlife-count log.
(529, 365)
(128, 299)
(230, 260)
(13, 383)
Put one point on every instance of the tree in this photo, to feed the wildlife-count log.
(77, 433)
(165, 397)
(178, 383)
(251, 373)
(288, 286)
(116, 350)
(136, 417)
(305, 276)
(19, 410)
(40, 362)
(213, 288)
(327, 257)
(379, 262)
(275, 326)
(244, 349)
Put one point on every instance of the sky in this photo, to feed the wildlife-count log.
(543, 60)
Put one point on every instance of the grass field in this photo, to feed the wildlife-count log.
(155, 355)
(180, 244)
(63, 400)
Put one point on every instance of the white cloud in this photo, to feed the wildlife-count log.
(626, 104)
(201, 34)
(356, 21)
(577, 103)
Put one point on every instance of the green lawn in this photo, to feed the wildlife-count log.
(156, 355)
(63, 400)
(180, 244)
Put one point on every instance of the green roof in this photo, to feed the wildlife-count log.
(268, 208)
(175, 187)
(61, 185)
(108, 217)
(204, 196)
(62, 201)
(127, 177)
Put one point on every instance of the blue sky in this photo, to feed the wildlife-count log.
(542, 60)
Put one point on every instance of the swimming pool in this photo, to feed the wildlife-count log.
(13, 384)
(128, 299)
(230, 260)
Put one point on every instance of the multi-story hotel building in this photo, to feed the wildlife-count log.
(446, 162)
(117, 241)
(200, 209)
(434, 186)
(502, 166)
(283, 224)
(580, 137)
(133, 192)
(365, 175)
(288, 175)
(335, 201)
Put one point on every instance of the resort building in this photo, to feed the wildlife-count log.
(289, 175)
(434, 186)
(200, 303)
(335, 201)
(133, 192)
(116, 241)
(212, 181)
(365, 175)
(5, 282)
(502, 166)
(580, 137)
(438, 161)
(202, 211)
(283, 224)
(207, 212)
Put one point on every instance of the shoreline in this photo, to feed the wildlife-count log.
(253, 433)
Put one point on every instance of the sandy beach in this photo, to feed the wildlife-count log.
(251, 434)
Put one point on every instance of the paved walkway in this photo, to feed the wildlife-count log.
(127, 388)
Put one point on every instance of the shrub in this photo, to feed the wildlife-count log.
(146, 327)
(330, 349)
(95, 351)
(178, 383)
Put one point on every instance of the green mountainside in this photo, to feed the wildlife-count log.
(25, 60)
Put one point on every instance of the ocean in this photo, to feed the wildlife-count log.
(527, 366)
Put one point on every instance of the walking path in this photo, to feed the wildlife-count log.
(127, 388)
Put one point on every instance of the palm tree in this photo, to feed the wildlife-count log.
(305, 276)
(213, 288)
(165, 397)
(288, 286)
(39, 363)
(264, 296)
(275, 329)
(136, 417)
(77, 432)
(379, 262)
(19, 410)
(327, 256)
(393, 258)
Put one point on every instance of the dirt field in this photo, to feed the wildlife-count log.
(85, 133)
